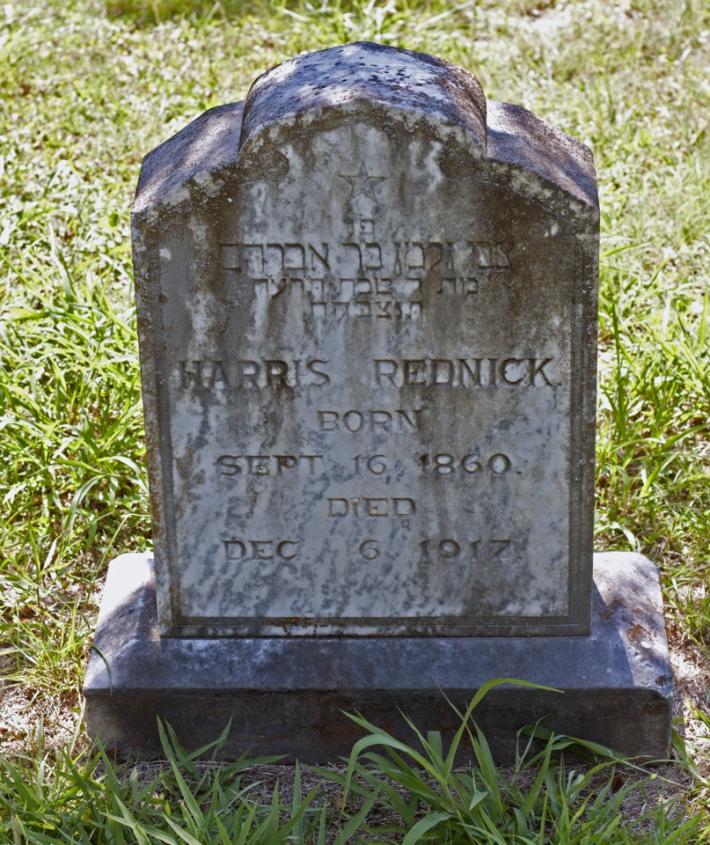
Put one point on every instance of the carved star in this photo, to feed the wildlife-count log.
(362, 184)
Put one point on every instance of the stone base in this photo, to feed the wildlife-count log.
(286, 695)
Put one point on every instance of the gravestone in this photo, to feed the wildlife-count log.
(367, 322)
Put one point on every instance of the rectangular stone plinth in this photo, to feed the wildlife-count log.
(286, 695)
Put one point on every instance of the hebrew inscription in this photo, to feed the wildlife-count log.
(365, 278)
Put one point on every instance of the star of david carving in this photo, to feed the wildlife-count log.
(362, 184)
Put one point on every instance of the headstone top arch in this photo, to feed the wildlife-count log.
(367, 78)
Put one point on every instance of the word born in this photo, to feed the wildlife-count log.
(398, 421)
(231, 465)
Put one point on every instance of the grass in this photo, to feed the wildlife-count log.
(390, 792)
(87, 88)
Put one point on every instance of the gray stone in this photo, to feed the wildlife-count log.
(285, 695)
(367, 317)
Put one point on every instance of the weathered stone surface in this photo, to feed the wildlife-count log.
(367, 322)
(285, 695)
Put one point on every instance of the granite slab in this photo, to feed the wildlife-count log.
(287, 695)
